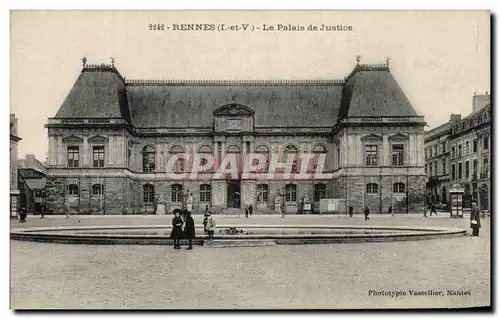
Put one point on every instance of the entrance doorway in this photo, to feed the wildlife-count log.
(233, 194)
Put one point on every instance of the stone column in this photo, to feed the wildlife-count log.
(243, 154)
(52, 150)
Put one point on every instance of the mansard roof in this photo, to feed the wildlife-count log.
(371, 90)
(101, 92)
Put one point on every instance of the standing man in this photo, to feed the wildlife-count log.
(475, 219)
(351, 210)
(433, 209)
(250, 210)
(390, 211)
(367, 212)
(189, 230)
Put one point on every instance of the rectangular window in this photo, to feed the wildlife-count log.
(443, 166)
(453, 171)
(398, 154)
(485, 166)
(430, 169)
(176, 194)
(435, 150)
(149, 193)
(443, 147)
(460, 150)
(425, 152)
(486, 144)
(73, 156)
(474, 168)
(371, 188)
(262, 193)
(467, 169)
(129, 155)
(291, 193)
(453, 152)
(205, 193)
(98, 156)
(474, 145)
(467, 148)
(459, 170)
(371, 155)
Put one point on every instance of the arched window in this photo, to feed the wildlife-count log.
(291, 193)
(264, 151)
(317, 151)
(148, 192)
(72, 189)
(179, 165)
(292, 149)
(262, 193)
(148, 159)
(398, 188)
(233, 149)
(176, 193)
(176, 149)
(319, 192)
(371, 188)
(97, 189)
(205, 193)
(205, 149)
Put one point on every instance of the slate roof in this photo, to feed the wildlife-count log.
(193, 105)
(373, 91)
(101, 92)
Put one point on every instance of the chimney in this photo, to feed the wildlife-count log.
(480, 101)
(454, 118)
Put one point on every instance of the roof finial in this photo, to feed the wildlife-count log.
(358, 59)
(84, 61)
(112, 61)
(387, 60)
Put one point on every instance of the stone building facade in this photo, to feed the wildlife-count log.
(110, 141)
(14, 191)
(437, 158)
(459, 151)
(470, 160)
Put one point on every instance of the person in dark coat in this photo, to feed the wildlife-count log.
(246, 211)
(390, 211)
(177, 230)
(433, 209)
(189, 232)
(184, 212)
(475, 219)
(22, 215)
(250, 210)
(367, 212)
(351, 210)
(205, 221)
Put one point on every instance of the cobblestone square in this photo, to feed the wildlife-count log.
(330, 276)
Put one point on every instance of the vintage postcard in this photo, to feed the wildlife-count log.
(250, 160)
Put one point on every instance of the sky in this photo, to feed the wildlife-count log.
(439, 58)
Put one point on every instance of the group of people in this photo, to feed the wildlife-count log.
(366, 211)
(183, 227)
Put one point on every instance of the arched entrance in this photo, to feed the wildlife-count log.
(233, 194)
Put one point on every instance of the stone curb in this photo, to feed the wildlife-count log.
(57, 235)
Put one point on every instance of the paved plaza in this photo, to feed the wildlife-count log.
(327, 276)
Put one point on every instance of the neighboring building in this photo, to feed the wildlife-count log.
(111, 138)
(470, 146)
(14, 191)
(437, 159)
(32, 184)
